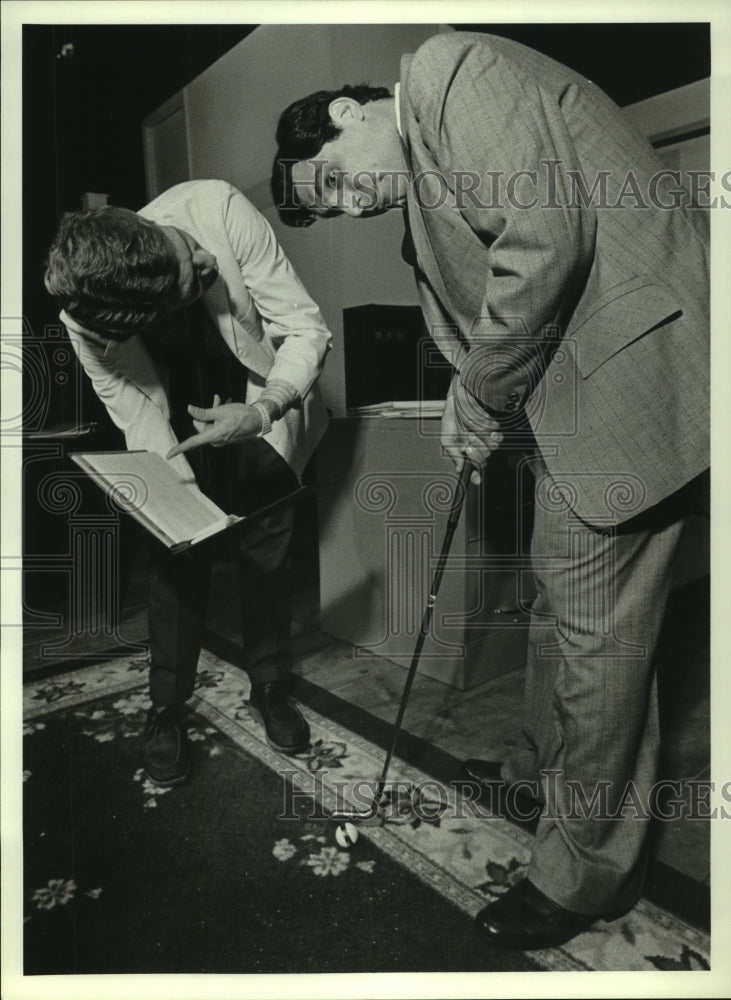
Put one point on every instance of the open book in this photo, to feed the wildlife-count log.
(144, 485)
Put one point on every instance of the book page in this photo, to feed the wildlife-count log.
(143, 481)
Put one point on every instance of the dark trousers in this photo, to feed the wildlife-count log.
(240, 478)
(244, 478)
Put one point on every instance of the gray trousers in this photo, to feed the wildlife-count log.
(591, 721)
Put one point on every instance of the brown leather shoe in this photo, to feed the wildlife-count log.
(524, 919)
(285, 727)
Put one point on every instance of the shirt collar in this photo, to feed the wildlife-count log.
(397, 104)
(71, 325)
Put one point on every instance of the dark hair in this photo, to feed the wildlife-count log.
(303, 129)
(111, 271)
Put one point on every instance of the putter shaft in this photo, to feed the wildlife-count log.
(457, 503)
(454, 514)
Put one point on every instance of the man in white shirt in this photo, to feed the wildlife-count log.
(170, 310)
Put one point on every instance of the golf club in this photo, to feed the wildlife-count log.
(457, 503)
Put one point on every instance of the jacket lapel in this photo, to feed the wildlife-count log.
(426, 259)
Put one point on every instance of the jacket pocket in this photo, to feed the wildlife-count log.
(620, 316)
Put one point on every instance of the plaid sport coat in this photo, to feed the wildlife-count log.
(558, 270)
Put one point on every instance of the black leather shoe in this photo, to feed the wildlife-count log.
(285, 727)
(509, 801)
(524, 919)
(165, 753)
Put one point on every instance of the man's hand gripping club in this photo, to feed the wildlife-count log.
(460, 443)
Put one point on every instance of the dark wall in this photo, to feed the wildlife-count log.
(628, 61)
(82, 113)
(81, 120)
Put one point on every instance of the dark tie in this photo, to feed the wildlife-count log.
(194, 364)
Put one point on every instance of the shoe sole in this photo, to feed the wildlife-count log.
(167, 782)
(287, 751)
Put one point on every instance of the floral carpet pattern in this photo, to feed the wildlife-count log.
(423, 826)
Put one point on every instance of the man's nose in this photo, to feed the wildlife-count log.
(353, 208)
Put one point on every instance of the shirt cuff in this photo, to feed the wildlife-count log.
(266, 421)
(283, 394)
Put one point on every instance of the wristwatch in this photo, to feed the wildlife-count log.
(266, 420)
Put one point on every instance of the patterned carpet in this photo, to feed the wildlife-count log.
(422, 870)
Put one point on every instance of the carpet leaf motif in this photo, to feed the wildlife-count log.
(33, 727)
(323, 755)
(151, 791)
(408, 806)
(284, 849)
(500, 877)
(208, 679)
(58, 892)
(689, 961)
(49, 693)
(329, 861)
(322, 858)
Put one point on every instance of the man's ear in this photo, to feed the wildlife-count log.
(344, 109)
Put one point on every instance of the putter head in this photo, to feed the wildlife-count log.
(361, 815)
(355, 815)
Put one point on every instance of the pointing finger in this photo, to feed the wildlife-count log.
(201, 413)
(195, 441)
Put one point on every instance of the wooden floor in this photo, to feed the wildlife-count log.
(478, 722)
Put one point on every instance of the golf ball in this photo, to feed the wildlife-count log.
(346, 835)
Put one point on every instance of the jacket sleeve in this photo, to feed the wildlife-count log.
(289, 315)
(138, 408)
(479, 114)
